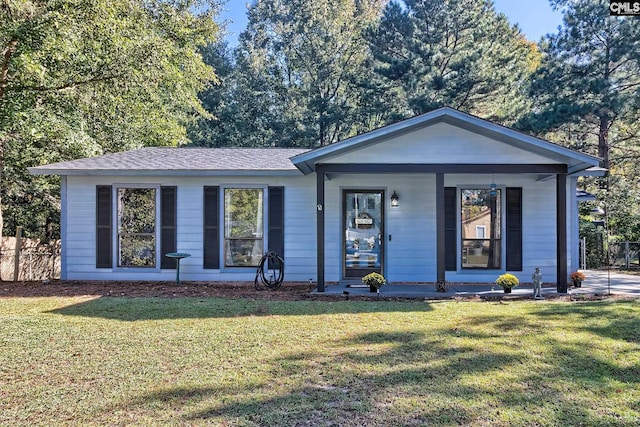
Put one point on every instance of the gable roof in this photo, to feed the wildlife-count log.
(181, 161)
(575, 160)
(191, 161)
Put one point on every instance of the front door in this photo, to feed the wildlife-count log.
(363, 231)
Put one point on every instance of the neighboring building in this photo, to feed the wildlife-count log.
(475, 200)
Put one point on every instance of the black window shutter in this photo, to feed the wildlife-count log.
(514, 229)
(104, 238)
(276, 220)
(450, 230)
(168, 226)
(211, 228)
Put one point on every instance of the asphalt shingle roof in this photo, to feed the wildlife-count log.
(180, 160)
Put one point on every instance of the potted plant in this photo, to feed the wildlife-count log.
(577, 278)
(507, 282)
(374, 280)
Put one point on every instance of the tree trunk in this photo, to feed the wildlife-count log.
(603, 142)
(4, 73)
(603, 132)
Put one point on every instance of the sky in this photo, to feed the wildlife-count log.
(534, 17)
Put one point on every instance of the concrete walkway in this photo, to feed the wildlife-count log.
(597, 282)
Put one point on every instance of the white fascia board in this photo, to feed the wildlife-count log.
(592, 171)
(306, 161)
(523, 141)
(161, 172)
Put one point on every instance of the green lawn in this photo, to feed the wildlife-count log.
(153, 361)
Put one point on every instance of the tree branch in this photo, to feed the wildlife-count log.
(624, 87)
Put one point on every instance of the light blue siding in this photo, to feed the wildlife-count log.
(300, 239)
(441, 143)
(410, 255)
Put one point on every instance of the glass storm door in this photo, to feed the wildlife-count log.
(363, 231)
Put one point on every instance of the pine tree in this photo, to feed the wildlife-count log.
(457, 53)
(590, 76)
(586, 95)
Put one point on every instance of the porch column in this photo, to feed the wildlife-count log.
(440, 223)
(320, 226)
(561, 232)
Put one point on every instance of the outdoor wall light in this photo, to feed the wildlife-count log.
(395, 200)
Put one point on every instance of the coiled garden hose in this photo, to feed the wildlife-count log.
(270, 273)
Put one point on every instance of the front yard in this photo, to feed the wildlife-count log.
(82, 360)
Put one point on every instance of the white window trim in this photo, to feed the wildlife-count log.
(222, 226)
(503, 211)
(114, 237)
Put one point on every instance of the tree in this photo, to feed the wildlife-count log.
(594, 63)
(217, 128)
(457, 53)
(241, 112)
(586, 95)
(87, 77)
(299, 61)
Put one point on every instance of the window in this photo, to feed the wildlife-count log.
(481, 226)
(136, 213)
(243, 226)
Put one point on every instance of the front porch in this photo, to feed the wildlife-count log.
(442, 163)
(441, 188)
(428, 291)
(599, 282)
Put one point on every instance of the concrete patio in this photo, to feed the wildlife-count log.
(597, 283)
